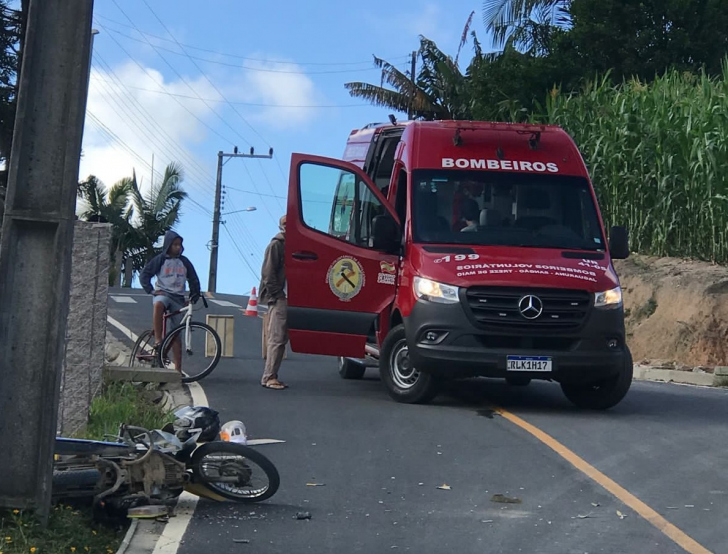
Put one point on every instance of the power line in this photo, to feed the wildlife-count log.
(115, 138)
(204, 75)
(243, 66)
(240, 252)
(142, 126)
(183, 80)
(144, 69)
(235, 55)
(270, 185)
(251, 104)
(182, 105)
(238, 222)
(265, 205)
(256, 193)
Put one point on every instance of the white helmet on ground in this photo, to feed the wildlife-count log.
(234, 431)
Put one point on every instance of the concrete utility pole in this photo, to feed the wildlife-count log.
(410, 114)
(215, 242)
(35, 250)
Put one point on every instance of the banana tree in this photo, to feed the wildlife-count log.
(439, 91)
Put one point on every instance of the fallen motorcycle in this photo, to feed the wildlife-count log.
(153, 467)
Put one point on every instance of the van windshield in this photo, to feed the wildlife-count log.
(505, 209)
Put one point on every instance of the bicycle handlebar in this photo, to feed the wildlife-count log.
(204, 301)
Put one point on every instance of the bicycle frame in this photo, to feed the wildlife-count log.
(144, 352)
(186, 319)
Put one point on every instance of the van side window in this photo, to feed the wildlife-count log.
(337, 203)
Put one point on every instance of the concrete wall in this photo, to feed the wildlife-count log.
(86, 334)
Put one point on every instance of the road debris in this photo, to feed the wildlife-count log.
(445, 487)
(241, 541)
(315, 484)
(502, 499)
(621, 515)
(303, 515)
(595, 504)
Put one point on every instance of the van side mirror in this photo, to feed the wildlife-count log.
(385, 234)
(618, 243)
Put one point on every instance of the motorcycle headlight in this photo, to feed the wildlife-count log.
(433, 291)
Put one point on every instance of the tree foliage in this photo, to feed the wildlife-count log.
(138, 218)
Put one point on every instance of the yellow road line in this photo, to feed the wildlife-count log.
(667, 528)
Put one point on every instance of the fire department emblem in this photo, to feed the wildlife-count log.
(345, 278)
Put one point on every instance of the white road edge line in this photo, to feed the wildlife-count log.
(170, 539)
(125, 330)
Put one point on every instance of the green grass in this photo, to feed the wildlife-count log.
(72, 529)
(69, 530)
(124, 403)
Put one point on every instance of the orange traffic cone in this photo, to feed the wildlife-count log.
(252, 309)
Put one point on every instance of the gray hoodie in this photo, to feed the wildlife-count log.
(171, 273)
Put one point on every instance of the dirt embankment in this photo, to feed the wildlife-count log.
(677, 311)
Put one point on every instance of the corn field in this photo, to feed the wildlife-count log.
(658, 157)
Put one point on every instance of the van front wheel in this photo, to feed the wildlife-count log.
(403, 381)
(602, 395)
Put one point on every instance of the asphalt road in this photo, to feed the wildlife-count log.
(381, 463)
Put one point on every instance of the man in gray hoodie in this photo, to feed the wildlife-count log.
(172, 270)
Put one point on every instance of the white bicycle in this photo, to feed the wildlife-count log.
(200, 344)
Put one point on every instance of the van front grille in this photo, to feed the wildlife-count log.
(521, 308)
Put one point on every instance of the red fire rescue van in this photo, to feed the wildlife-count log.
(452, 249)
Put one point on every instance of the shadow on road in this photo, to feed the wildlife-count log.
(667, 402)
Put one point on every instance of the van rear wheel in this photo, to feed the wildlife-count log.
(349, 369)
(403, 381)
(603, 394)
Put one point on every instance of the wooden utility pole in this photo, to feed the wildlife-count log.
(35, 249)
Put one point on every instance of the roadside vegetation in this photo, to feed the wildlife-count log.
(641, 87)
(72, 527)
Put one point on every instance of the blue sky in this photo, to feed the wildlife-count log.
(181, 80)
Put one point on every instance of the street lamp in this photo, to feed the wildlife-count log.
(249, 209)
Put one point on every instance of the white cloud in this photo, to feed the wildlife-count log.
(127, 123)
(278, 85)
(121, 120)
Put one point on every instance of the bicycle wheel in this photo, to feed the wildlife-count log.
(235, 471)
(200, 354)
(142, 354)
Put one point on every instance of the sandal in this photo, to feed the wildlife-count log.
(275, 385)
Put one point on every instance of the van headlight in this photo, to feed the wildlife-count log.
(435, 292)
(609, 298)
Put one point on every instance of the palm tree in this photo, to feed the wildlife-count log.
(109, 206)
(525, 24)
(439, 91)
(155, 213)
